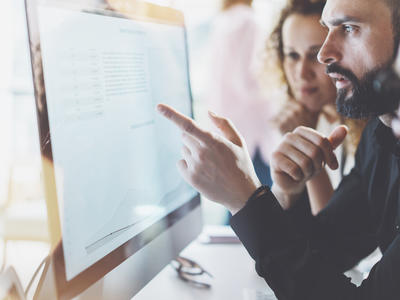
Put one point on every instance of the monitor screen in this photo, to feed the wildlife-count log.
(113, 158)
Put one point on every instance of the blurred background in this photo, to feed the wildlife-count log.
(22, 206)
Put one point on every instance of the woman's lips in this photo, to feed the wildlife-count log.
(308, 90)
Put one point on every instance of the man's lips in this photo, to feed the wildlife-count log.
(341, 81)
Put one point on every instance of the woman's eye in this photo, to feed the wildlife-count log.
(292, 55)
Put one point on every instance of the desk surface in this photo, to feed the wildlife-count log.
(231, 266)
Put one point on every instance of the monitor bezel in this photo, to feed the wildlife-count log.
(72, 288)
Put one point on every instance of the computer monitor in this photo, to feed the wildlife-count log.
(118, 208)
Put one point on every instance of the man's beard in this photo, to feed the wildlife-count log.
(368, 98)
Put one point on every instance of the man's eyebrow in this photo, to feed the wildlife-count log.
(340, 21)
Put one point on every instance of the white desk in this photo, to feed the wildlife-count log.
(231, 266)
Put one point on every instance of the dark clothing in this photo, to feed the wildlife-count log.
(304, 257)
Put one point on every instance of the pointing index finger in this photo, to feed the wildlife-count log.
(186, 124)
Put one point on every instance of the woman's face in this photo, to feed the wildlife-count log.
(302, 38)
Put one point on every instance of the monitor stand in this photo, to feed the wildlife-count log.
(128, 278)
(47, 285)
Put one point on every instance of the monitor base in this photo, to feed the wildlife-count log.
(131, 276)
(46, 288)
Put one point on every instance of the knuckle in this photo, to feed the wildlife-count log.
(211, 138)
(189, 127)
(323, 142)
(275, 158)
(214, 141)
(299, 129)
(168, 114)
(289, 136)
(275, 155)
(295, 171)
(280, 153)
(202, 155)
(315, 153)
(308, 165)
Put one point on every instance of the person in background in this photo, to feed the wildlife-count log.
(309, 98)
(233, 85)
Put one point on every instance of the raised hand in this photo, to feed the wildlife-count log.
(218, 166)
(292, 115)
(301, 155)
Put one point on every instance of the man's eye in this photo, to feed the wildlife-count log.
(348, 28)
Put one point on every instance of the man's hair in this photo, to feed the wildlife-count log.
(394, 6)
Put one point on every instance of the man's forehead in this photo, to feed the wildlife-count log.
(357, 10)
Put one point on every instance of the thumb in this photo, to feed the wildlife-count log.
(227, 128)
(338, 135)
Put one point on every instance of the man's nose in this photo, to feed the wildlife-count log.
(329, 52)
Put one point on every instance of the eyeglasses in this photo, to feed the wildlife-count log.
(190, 271)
